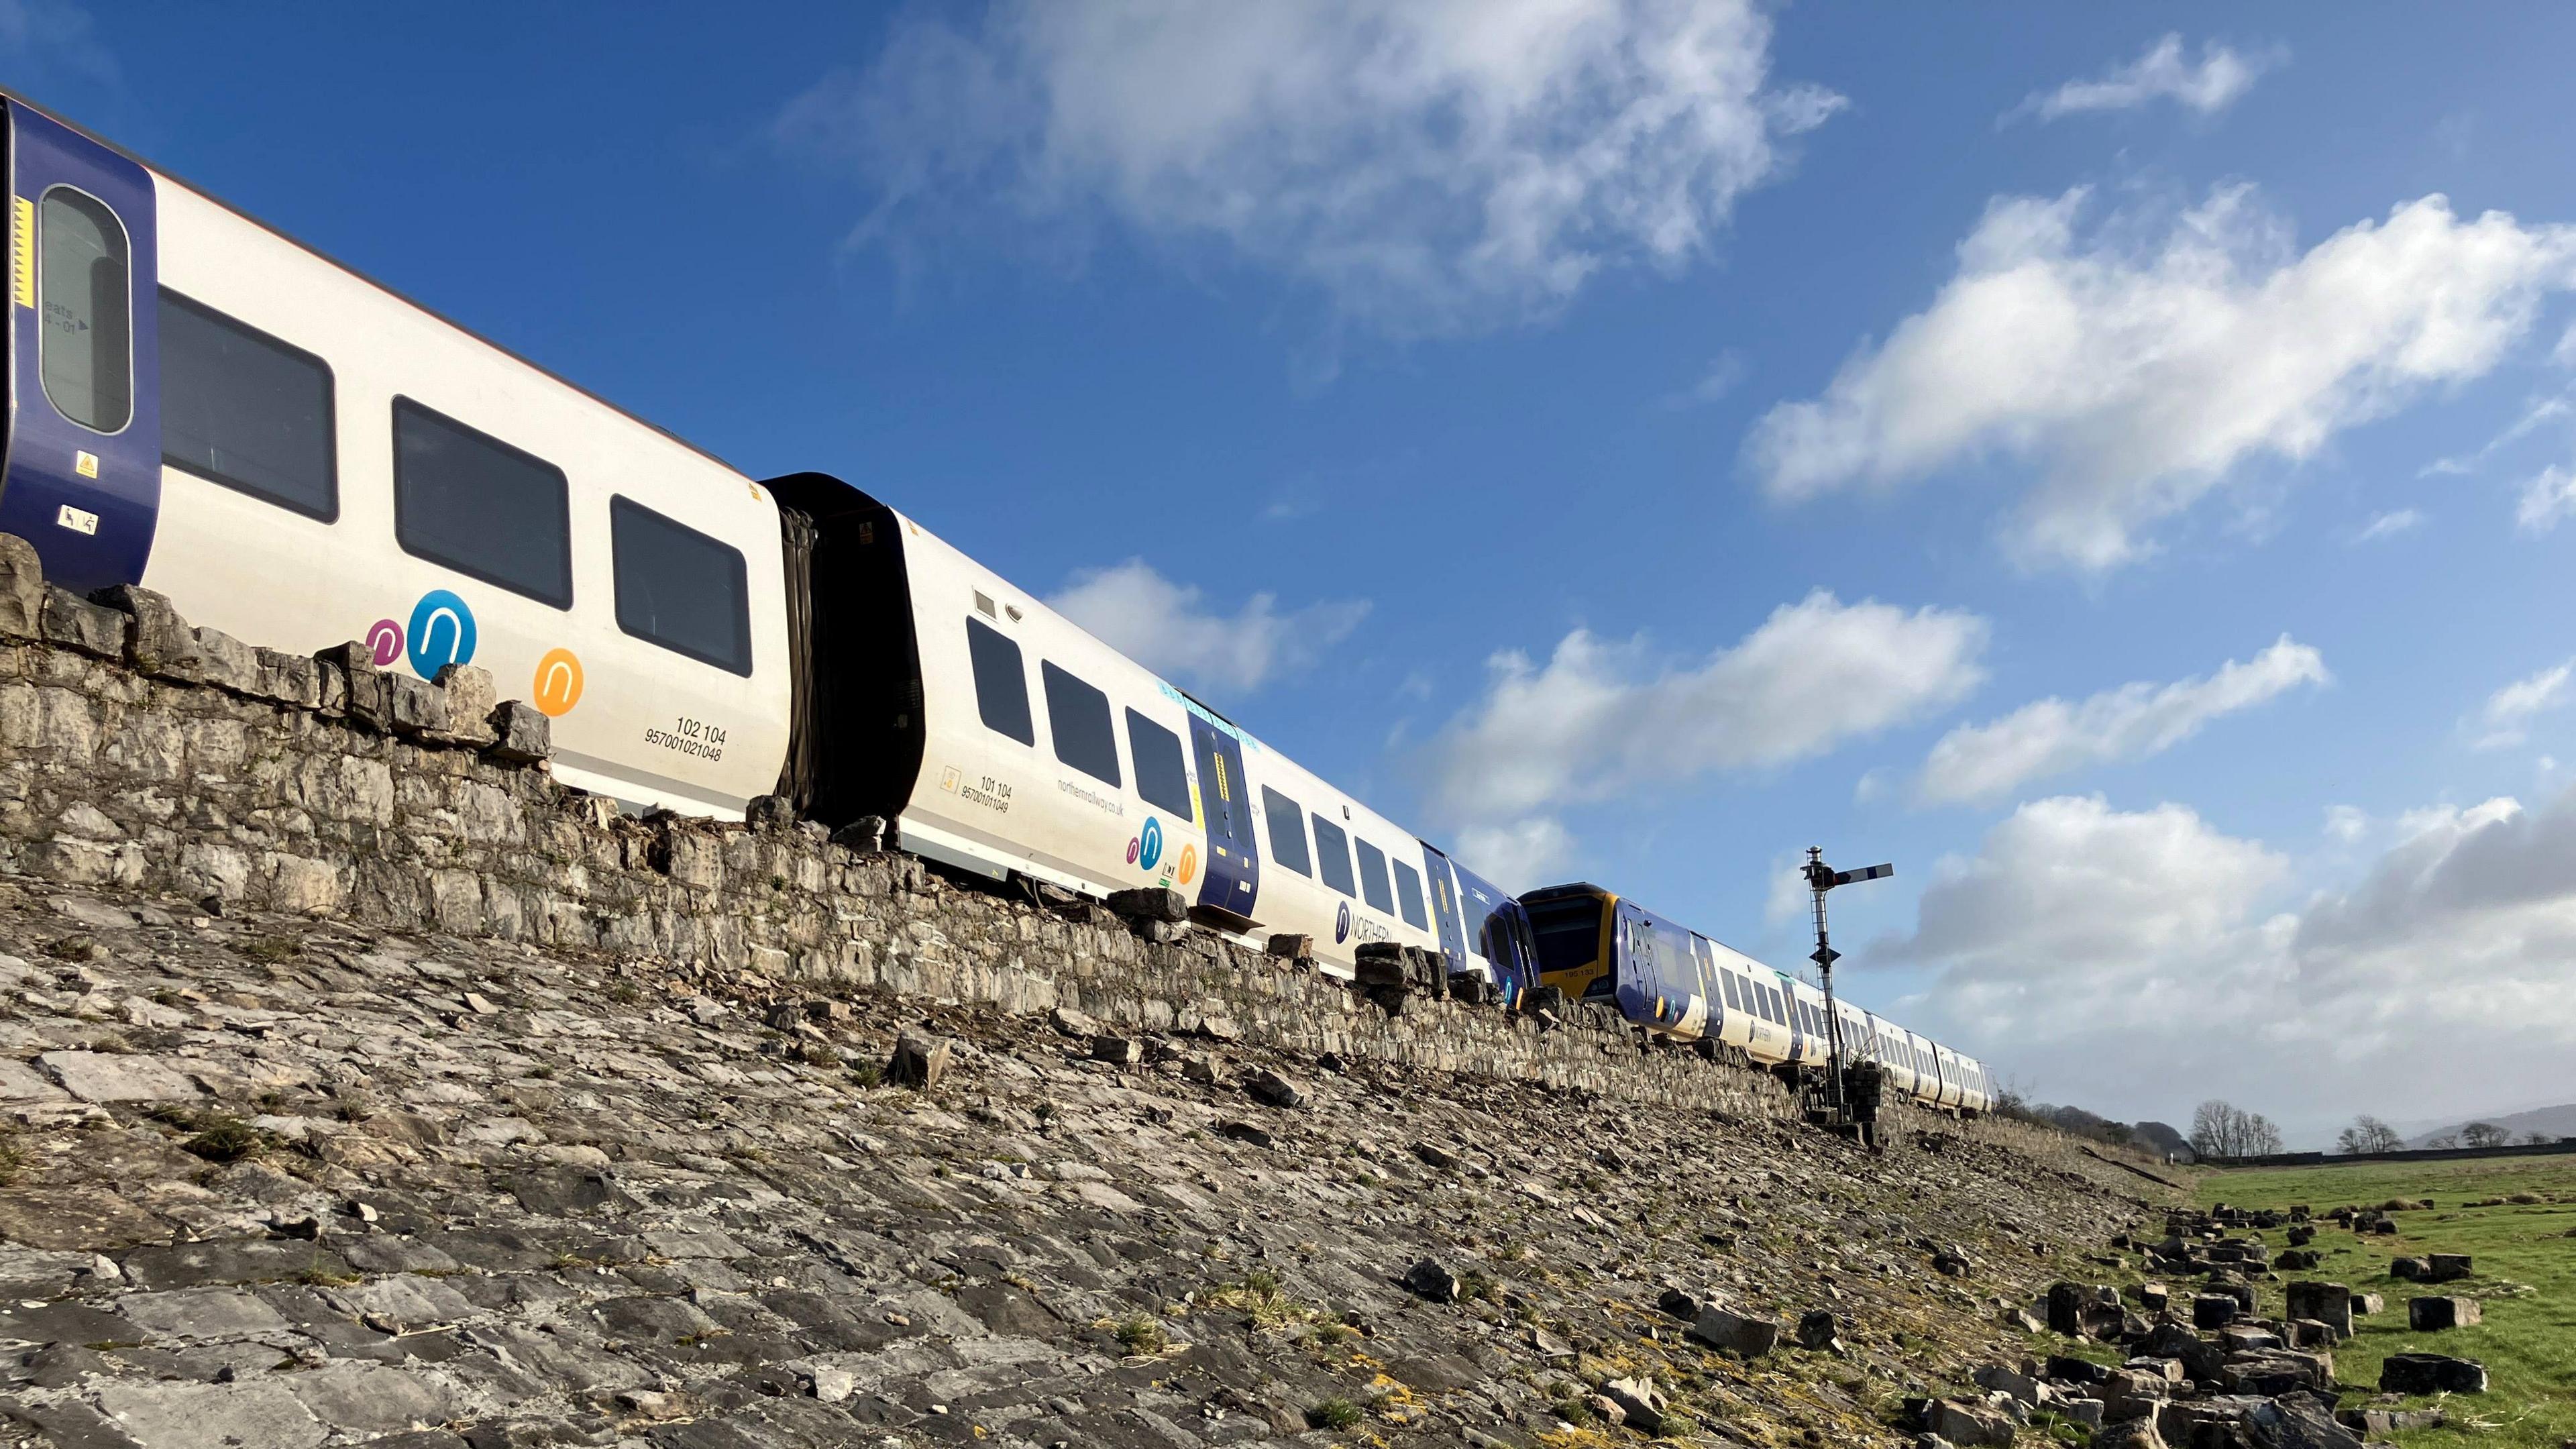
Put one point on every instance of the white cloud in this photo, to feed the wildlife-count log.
(2161, 73)
(2506, 719)
(1724, 375)
(2347, 823)
(1520, 855)
(2389, 525)
(1429, 165)
(1168, 628)
(2548, 499)
(1598, 720)
(2131, 961)
(2051, 736)
(2137, 378)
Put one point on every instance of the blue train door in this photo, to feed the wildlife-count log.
(1444, 906)
(1233, 876)
(82, 480)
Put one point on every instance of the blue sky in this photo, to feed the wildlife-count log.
(1635, 441)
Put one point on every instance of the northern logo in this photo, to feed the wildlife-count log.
(1146, 850)
(442, 633)
(1342, 924)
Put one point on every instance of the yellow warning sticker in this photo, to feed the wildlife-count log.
(85, 464)
(22, 250)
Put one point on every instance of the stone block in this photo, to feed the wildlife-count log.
(2414, 1270)
(1150, 903)
(2431, 1373)
(920, 1060)
(1118, 1051)
(414, 707)
(2214, 1310)
(2365, 1304)
(367, 691)
(2446, 1267)
(1428, 1278)
(2326, 1303)
(1291, 946)
(73, 622)
(1970, 1424)
(2432, 1314)
(2132, 1434)
(521, 735)
(116, 1077)
(1721, 1328)
(159, 642)
(469, 698)
(22, 589)
(1268, 1087)
(227, 662)
(297, 680)
(178, 1415)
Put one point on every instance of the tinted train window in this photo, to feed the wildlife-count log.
(1001, 682)
(1726, 982)
(240, 408)
(1287, 832)
(1078, 718)
(1160, 777)
(1568, 931)
(1408, 897)
(87, 337)
(480, 506)
(679, 588)
(1333, 856)
(1373, 877)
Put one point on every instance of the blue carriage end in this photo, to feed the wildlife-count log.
(82, 479)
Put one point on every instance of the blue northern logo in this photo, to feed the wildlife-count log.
(442, 633)
(1150, 848)
(1342, 924)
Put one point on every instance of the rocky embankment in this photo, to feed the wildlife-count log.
(276, 1182)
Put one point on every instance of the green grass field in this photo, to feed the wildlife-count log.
(2525, 1280)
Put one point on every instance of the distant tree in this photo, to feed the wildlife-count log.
(2368, 1134)
(2485, 1134)
(2118, 1134)
(2225, 1131)
(2443, 1143)
(2538, 1139)
(2160, 1137)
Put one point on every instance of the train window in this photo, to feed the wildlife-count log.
(678, 588)
(481, 507)
(1160, 776)
(1408, 897)
(87, 337)
(1568, 931)
(1287, 832)
(1771, 996)
(1373, 877)
(1726, 982)
(1001, 682)
(1078, 718)
(1333, 856)
(240, 408)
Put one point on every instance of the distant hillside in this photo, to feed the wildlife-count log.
(2552, 1122)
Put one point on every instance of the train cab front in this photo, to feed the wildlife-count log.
(1571, 928)
(82, 478)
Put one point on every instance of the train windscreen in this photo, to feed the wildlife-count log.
(1568, 932)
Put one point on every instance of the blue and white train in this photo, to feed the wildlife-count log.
(299, 456)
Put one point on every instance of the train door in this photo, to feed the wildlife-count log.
(1443, 886)
(82, 479)
(1233, 876)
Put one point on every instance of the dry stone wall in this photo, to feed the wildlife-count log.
(141, 755)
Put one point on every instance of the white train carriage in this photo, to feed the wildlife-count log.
(999, 736)
(301, 458)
